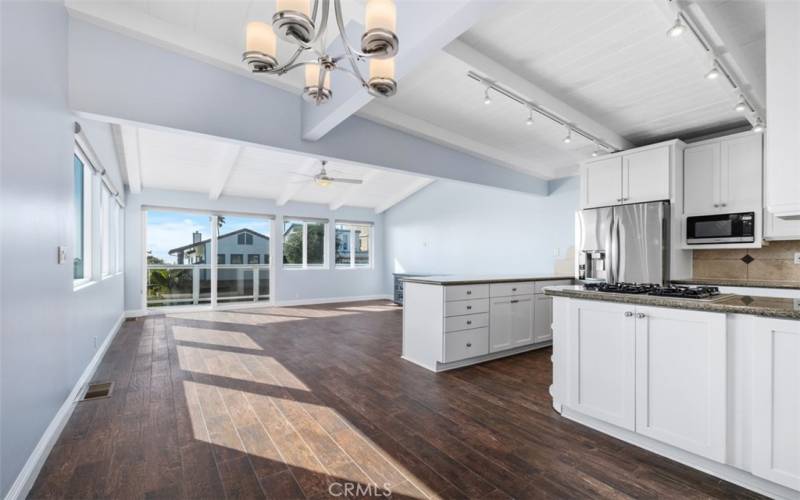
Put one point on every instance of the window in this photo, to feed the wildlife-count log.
(245, 239)
(120, 238)
(82, 198)
(304, 243)
(107, 236)
(353, 242)
(253, 258)
(220, 258)
(266, 258)
(236, 258)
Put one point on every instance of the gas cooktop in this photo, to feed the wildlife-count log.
(678, 292)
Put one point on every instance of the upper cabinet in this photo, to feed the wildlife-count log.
(634, 176)
(782, 171)
(723, 175)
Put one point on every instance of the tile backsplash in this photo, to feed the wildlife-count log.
(773, 262)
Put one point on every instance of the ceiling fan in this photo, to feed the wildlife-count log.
(322, 179)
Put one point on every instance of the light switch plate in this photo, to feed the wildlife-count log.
(797, 257)
(62, 254)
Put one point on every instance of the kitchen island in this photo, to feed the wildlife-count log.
(714, 384)
(455, 321)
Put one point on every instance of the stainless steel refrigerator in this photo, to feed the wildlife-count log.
(625, 243)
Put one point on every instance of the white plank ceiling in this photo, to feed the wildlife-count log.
(608, 59)
(189, 162)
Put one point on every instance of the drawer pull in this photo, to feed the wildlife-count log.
(469, 344)
(469, 292)
(469, 308)
(640, 315)
(628, 314)
(514, 301)
(469, 321)
(513, 289)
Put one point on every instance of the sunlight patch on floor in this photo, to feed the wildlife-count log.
(214, 337)
(371, 308)
(243, 317)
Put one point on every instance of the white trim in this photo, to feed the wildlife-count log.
(138, 313)
(722, 471)
(30, 471)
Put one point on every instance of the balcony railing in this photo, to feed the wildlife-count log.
(174, 285)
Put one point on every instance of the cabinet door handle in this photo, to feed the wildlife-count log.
(513, 289)
(469, 344)
(469, 321)
(514, 301)
(469, 292)
(628, 314)
(716, 205)
(723, 204)
(469, 308)
(640, 315)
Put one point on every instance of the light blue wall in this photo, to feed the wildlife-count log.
(47, 330)
(290, 284)
(457, 228)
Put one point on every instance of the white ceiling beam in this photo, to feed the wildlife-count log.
(223, 170)
(501, 74)
(403, 194)
(712, 20)
(351, 191)
(297, 182)
(131, 153)
(426, 28)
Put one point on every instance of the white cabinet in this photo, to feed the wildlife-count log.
(776, 228)
(776, 418)
(723, 175)
(656, 371)
(634, 176)
(511, 322)
(645, 175)
(542, 318)
(681, 379)
(602, 361)
(601, 182)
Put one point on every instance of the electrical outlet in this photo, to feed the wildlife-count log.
(797, 257)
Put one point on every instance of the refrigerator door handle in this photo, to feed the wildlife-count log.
(612, 251)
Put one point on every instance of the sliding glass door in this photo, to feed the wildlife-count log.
(243, 259)
(206, 259)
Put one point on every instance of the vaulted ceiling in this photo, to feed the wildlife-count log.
(604, 65)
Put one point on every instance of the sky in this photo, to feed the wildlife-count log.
(168, 230)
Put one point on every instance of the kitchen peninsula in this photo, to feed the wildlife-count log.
(711, 383)
(454, 321)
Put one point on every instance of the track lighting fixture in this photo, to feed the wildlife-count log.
(758, 126)
(676, 29)
(568, 138)
(713, 73)
(486, 98)
(529, 121)
(741, 105)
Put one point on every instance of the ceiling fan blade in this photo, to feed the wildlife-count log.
(347, 181)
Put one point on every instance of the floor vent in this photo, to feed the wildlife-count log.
(98, 390)
(131, 319)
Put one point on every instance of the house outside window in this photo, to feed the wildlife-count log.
(353, 244)
(220, 258)
(305, 243)
(82, 199)
(245, 239)
(253, 258)
(237, 258)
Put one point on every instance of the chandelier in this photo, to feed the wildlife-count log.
(296, 22)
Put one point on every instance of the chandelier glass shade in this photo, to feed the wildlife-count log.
(303, 24)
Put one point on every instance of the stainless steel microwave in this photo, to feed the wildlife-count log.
(721, 228)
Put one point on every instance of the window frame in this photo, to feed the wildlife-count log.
(304, 265)
(106, 241)
(88, 230)
(351, 227)
(232, 263)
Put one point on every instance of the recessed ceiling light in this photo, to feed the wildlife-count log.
(676, 29)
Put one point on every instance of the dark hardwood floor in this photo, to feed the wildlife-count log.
(306, 402)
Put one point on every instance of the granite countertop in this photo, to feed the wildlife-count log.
(772, 307)
(795, 285)
(466, 279)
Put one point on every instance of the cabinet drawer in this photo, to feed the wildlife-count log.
(462, 307)
(464, 292)
(540, 285)
(469, 321)
(510, 289)
(466, 344)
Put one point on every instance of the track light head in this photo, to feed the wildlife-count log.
(759, 126)
(741, 106)
(713, 73)
(529, 121)
(486, 98)
(568, 138)
(677, 29)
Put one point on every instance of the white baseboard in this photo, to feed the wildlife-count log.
(137, 313)
(30, 471)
